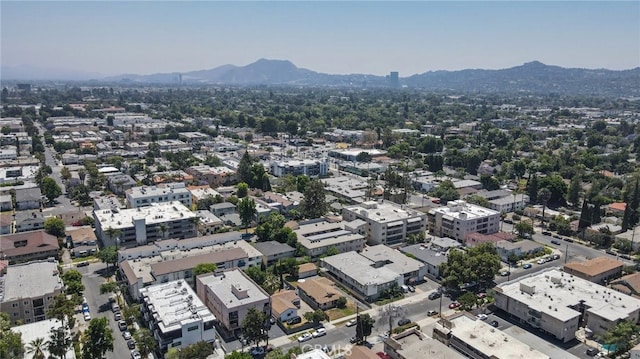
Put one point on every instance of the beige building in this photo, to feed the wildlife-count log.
(317, 236)
(597, 270)
(229, 295)
(319, 293)
(28, 289)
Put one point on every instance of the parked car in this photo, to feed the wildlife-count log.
(131, 344)
(122, 325)
(115, 308)
(434, 295)
(568, 239)
(351, 323)
(412, 289)
(135, 354)
(87, 316)
(527, 266)
(126, 335)
(403, 321)
(304, 337)
(556, 242)
(85, 308)
(294, 320)
(117, 317)
(592, 352)
(319, 332)
(505, 273)
(257, 351)
(540, 261)
(454, 305)
(383, 355)
(354, 340)
(494, 323)
(82, 264)
(482, 316)
(546, 233)
(431, 313)
(555, 256)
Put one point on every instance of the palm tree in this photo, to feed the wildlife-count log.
(162, 228)
(59, 343)
(36, 348)
(113, 233)
(543, 195)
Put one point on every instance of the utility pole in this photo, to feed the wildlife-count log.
(566, 254)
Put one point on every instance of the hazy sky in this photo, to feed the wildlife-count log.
(333, 37)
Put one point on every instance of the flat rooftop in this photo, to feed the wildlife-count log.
(385, 212)
(153, 191)
(395, 260)
(558, 290)
(491, 342)
(155, 213)
(360, 269)
(175, 304)
(221, 285)
(30, 280)
(417, 345)
(462, 210)
(323, 234)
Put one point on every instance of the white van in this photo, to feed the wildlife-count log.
(405, 288)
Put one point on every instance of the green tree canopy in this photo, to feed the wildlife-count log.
(253, 325)
(314, 204)
(11, 345)
(620, 336)
(478, 265)
(446, 191)
(50, 189)
(364, 325)
(243, 190)
(62, 308)
(97, 339)
(145, 341)
(204, 268)
(108, 255)
(247, 210)
(199, 350)
(55, 227)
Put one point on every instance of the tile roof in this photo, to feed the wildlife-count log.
(594, 266)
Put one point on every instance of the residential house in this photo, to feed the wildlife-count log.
(598, 270)
(285, 305)
(28, 198)
(319, 293)
(27, 246)
(273, 251)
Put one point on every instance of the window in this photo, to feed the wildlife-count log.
(176, 344)
(14, 305)
(190, 329)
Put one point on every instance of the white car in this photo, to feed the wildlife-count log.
(126, 335)
(304, 337)
(541, 261)
(482, 316)
(87, 316)
(351, 323)
(319, 332)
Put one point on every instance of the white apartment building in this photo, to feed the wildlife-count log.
(311, 168)
(145, 195)
(559, 303)
(177, 317)
(317, 236)
(386, 222)
(458, 218)
(229, 295)
(141, 225)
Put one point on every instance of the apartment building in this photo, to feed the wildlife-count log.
(177, 317)
(598, 270)
(458, 219)
(309, 167)
(214, 176)
(170, 192)
(28, 246)
(142, 225)
(26, 290)
(558, 303)
(386, 222)
(317, 236)
(229, 295)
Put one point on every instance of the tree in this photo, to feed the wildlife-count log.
(50, 189)
(243, 190)
(341, 302)
(313, 204)
(302, 182)
(36, 348)
(113, 234)
(73, 282)
(316, 316)
(573, 195)
(204, 268)
(524, 228)
(145, 342)
(97, 339)
(65, 173)
(55, 227)
(244, 168)
(247, 210)
(59, 342)
(108, 255)
(131, 313)
(364, 325)
(468, 300)
(532, 188)
(478, 265)
(543, 195)
(621, 336)
(253, 326)
(332, 251)
(446, 191)
(363, 157)
(62, 308)
(11, 345)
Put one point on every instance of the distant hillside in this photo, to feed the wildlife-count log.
(533, 77)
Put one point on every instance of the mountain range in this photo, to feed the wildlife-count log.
(532, 77)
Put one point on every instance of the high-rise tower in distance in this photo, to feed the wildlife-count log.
(394, 80)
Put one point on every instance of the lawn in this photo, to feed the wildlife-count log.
(389, 300)
(83, 259)
(337, 313)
